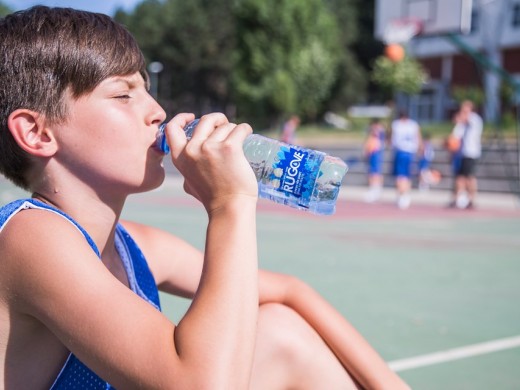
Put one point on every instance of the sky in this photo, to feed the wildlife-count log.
(103, 6)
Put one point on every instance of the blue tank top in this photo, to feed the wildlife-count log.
(75, 375)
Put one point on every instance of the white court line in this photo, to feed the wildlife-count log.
(454, 354)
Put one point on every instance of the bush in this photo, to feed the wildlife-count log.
(405, 76)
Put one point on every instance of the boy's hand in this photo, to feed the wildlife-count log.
(213, 164)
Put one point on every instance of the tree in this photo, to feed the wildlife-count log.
(351, 84)
(4, 9)
(267, 58)
(367, 48)
(195, 41)
(406, 76)
(288, 56)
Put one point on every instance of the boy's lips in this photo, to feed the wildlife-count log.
(157, 150)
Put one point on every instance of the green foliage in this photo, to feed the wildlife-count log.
(288, 56)
(195, 42)
(473, 93)
(267, 59)
(146, 24)
(314, 74)
(403, 76)
(508, 93)
(4, 9)
(508, 119)
(351, 84)
(351, 79)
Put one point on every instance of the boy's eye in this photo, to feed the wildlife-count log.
(123, 97)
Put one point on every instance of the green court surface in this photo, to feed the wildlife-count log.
(414, 283)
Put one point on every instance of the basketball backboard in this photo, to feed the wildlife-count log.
(433, 17)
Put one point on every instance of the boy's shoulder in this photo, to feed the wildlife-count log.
(43, 216)
(32, 246)
(52, 278)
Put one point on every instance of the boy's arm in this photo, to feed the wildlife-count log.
(58, 279)
(458, 130)
(175, 264)
(220, 324)
(180, 271)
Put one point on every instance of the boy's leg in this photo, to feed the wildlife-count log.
(472, 190)
(402, 171)
(461, 195)
(403, 185)
(375, 185)
(289, 354)
(471, 182)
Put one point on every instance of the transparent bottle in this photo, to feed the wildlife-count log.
(301, 178)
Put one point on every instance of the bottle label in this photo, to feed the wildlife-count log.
(295, 171)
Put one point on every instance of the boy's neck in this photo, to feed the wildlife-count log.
(43, 198)
(98, 218)
(109, 254)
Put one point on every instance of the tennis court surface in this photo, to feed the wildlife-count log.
(435, 291)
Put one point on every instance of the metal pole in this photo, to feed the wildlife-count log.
(154, 68)
(517, 101)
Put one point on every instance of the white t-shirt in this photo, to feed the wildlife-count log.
(405, 135)
(470, 134)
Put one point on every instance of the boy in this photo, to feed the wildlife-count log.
(468, 133)
(373, 151)
(78, 128)
(406, 141)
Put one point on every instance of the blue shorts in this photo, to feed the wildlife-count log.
(403, 164)
(456, 162)
(375, 162)
(424, 164)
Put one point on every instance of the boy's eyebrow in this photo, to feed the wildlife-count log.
(129, 82)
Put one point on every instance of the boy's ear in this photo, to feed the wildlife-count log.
(30, 133)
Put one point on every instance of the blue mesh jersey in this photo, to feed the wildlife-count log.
(75, 375)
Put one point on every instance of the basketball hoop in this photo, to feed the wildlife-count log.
(401, 30)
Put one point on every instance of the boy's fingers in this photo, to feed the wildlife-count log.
(175, 133)
(221, 133)
(240, 132)
(213, 128)
(207, 125)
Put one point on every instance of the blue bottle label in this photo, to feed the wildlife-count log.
(295, 172)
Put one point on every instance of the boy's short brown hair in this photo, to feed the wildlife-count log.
(47, 51)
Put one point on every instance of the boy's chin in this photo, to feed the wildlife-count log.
(152, 183)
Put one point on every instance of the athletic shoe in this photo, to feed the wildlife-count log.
(462, 201)
(403, 201)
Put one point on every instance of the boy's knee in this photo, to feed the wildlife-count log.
(283, 333)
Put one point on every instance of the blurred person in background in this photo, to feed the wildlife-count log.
(427, 175)
(406, 141)
(374, 149)
(467, 133)
(289, 130)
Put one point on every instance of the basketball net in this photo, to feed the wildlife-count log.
(400, 31)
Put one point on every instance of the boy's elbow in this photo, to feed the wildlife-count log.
(220, 379)
(208, 379)
(295, 288)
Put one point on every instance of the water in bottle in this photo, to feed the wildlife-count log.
(301, 178)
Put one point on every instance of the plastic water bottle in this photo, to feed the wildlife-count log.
(301, 178)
